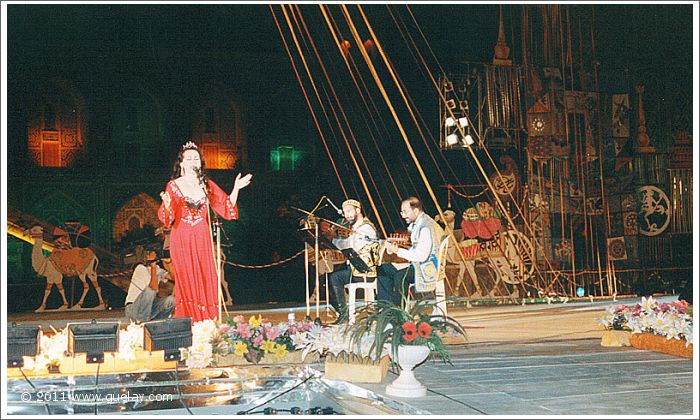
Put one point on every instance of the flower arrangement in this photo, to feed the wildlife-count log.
(669, 320)
(394, 325)
(335, 341)
(251, 339)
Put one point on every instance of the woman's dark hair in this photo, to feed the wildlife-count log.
(177, 169)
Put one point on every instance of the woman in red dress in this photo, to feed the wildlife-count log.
(186, 202)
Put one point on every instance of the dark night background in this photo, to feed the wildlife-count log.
(177, 51)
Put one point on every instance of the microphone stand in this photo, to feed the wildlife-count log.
(217, 234)
(317, 292)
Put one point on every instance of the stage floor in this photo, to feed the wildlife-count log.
(275, 312)
(534, 359)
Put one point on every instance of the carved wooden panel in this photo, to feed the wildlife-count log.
(69, 138)
(50, 154)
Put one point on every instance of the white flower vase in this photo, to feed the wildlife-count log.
(406, 385)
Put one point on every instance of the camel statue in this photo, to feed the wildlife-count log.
(70, 262)
(509, 255)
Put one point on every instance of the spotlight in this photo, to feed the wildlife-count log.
(169, 335)
(451, 104)
(452, 140)
(469, 140)
(450, 122)
(447, 85)
(93, 338)
(21, 341)
(463, 122)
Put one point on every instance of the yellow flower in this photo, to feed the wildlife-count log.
(268, 346)
(240, 348)
(255, 323)
(280, 350)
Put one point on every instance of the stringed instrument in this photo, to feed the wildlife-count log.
(403, 240)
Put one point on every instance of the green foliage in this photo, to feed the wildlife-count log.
(396, 325)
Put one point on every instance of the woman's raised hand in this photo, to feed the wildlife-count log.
(242, 182)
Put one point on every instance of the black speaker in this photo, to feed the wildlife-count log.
(22, 341)
(94, 338)
(169, 335)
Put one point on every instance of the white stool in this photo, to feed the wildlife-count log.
(370, 289)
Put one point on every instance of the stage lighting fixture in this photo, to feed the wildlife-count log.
(94, 338)
(449, 122)
(469, 140)
(447, 85)
(452, 140)
(451, 104)
(463, 122)
(21, 341)
(169, 335)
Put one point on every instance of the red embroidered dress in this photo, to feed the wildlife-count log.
(192, 252)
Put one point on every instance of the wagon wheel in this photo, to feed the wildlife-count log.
(517, 264)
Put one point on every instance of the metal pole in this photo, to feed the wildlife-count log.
(306, 271)
(318, 288)
(218, 266)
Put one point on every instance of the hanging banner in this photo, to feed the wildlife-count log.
(654, 212)
(504, 184)
(617, 250)
(621, 115)
(629, 223)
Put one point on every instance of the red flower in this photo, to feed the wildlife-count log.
(424, 329)
(409, 328)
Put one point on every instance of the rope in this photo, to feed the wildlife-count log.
(306, 97)
(280, 262)
(119, 274)
(452, 188)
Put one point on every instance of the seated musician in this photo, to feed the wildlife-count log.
(363, 239)
(421, 269)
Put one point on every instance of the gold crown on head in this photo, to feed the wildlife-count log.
(189, 145)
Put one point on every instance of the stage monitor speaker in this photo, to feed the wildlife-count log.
(22, 341)
(168, 334)
(94, 338)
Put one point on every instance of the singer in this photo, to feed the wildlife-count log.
(186, 202)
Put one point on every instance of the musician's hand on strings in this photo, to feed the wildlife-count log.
(391, 248)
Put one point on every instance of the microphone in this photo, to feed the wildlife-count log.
(198, 171)
(340, 212)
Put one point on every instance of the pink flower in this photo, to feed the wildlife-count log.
(665, 307)
(258, 340)
(272, 333)
(680, 305)
(238, 319)
(244, 331)
(224, 328)
(622, 308)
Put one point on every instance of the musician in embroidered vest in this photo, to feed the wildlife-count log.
(363, 239)
(422, 267)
